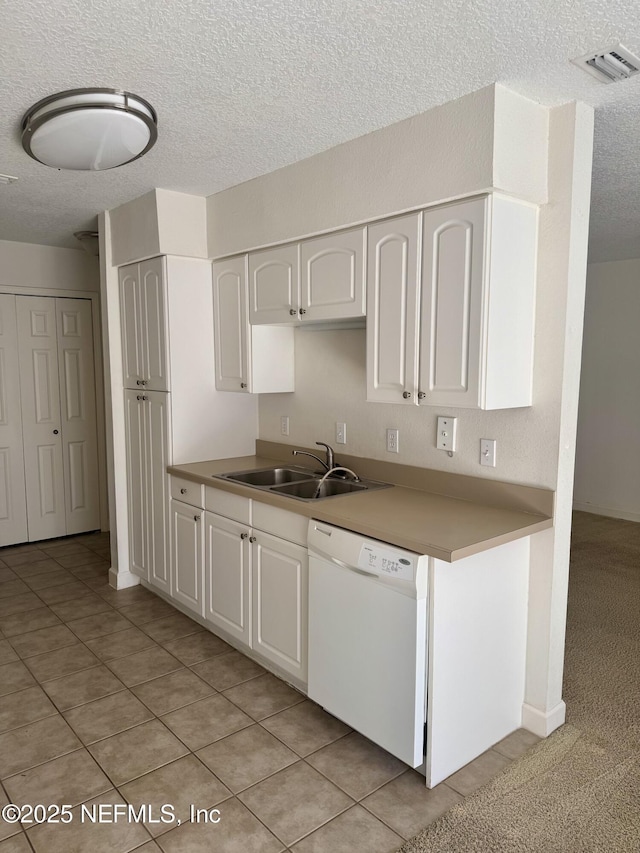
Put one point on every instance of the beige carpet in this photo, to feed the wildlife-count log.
(578, 791)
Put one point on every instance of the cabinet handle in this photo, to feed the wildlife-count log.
(252, 539)
(244, 535)
(183, 491)
(243, 384)
(303, 311)
(421, 395)
(196, 518)
(293, 312)
(406, 394)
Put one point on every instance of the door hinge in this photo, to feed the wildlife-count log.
(424, 741)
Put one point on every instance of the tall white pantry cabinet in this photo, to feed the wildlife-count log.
(173, 413)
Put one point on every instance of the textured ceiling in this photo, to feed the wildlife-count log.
(243, 87)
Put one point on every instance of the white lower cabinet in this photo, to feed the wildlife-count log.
(187, 551)
(255, 581)
(280, 571)
(147, 426)
(227, 576)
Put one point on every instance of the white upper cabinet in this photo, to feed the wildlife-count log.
(451, 296)
(274, 284)
(393, 262)
(231, 326)
(144, 329)
(313, 281)
(250, 359)
(332, 285)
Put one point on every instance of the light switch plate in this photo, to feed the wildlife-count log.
(488, 452)
(341, 433)
(446, 434)
(284, 425)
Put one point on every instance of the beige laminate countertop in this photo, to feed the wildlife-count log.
(440, 526)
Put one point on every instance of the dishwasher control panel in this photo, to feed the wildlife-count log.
(382, 560)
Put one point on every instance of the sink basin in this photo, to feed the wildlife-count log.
(266, 477)
(308, 489)
(299, 483)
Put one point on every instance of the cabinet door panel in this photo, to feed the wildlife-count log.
(451, 304)
(279, 580)
(131, 325)
(134, 414)
(230, 324)
(186, 555)
(227, 556)
(39, 382)
(274, 279)
(13, 505)
(393, 266)
(78, 413)
(157, 443)
(332, 276)
(155, 332)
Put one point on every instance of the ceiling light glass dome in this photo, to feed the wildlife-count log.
(89, 129)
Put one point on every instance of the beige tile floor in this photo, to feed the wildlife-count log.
(114, 697)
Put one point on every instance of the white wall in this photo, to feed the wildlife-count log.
(491, 139)
(162, 222)
(31, 265)
(607, 477)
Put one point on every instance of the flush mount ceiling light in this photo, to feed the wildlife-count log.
(89, 129)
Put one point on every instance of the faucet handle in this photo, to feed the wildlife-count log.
(330, 453)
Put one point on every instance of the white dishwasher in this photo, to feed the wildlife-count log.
(368, 637)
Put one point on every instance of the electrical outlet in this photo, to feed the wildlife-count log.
(488, 452)
(341, 433)
(393, 437)
(446, 434)
(284, 425)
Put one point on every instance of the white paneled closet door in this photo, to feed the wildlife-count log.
(57, 384)
(41, 427)
(13, 506)
(78, 414)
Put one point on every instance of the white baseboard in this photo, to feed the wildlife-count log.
(122, 580)
(606, 510)
(542, 723)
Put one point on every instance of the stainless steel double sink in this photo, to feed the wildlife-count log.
(299, 483)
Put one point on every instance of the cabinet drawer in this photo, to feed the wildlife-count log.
(227, 504)
(187, 491)
(280, 522)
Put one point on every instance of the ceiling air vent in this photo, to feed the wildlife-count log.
(610, 66)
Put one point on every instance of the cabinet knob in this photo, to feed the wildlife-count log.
(55, 432)
(196, 518)
(139, 382)
(244, 535)
(243, 384)
(303, 311)
(252, 539)
(144, 398)
(139, 397)
(293, 312)
(183, 491)
(421, 395)
(406, 394)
